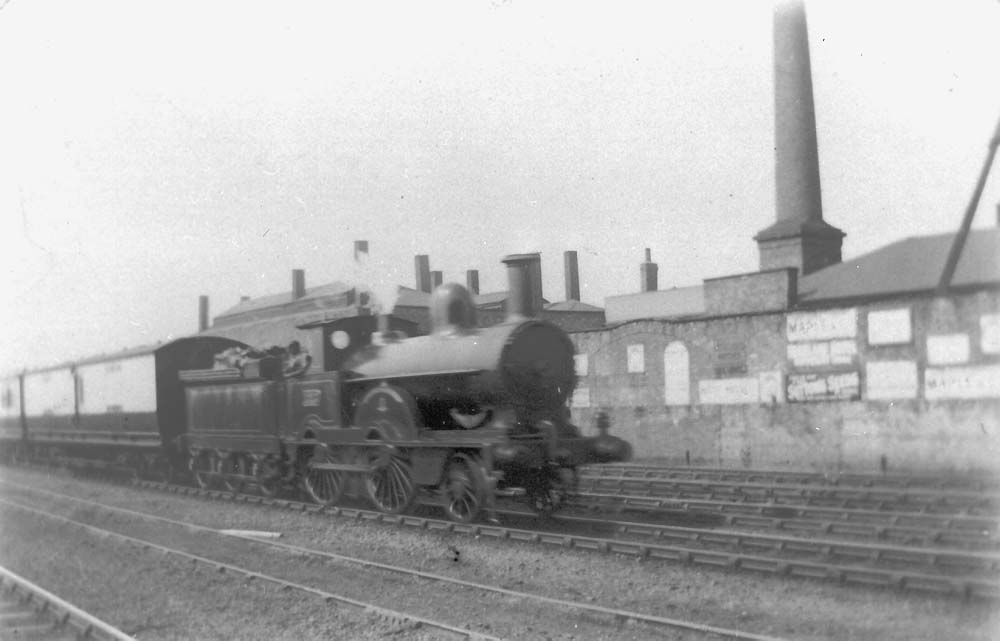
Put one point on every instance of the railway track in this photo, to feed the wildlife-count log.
(739, 553)
(27, 611)
(961, 502)
(966, 481)
(908, 527)
(612, 615)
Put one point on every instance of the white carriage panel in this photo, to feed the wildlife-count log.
(127, 385)
(10, 397)
(49, 393)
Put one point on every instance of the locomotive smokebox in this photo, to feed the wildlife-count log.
(523, 301)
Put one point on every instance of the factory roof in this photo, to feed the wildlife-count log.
(321, 292)
(908, 266)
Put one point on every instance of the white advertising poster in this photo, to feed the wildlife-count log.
(809, 354)
(843, 352)
(845, 386)
(989, 333)
(771, 387)
(581, 397)
(819, 353)
(676, 375)
(580, 364)
(636, 359)
(819, 326)
(886, 380)
(948, 349)
(728, 391)
(890, 327)
(962, 382)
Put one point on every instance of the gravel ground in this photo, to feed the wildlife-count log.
(791, 608)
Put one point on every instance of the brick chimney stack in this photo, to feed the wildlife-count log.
(202, 313)
(472, 281)
(647, 274)
(422, 264)
(298, 283)
(572, 269)
(799, 237)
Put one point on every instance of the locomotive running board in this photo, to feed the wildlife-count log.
(341, 467)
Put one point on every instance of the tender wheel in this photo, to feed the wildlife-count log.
(232, 471)
(323, 486)
(390, 482)
(266, 472)
(203, 465)
(464, 488)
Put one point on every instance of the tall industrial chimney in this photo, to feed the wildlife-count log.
(799, 237)
(298, 283)
(523, 300)
(437, 278)
(472, 281)
(422, 264)
(572, 269)
(202, 313)
(647, 274)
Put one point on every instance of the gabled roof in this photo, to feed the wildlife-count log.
(335, 288)
(572, 306)
(907, 266)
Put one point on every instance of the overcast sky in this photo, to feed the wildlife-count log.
(153, 153)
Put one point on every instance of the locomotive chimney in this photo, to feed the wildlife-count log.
(647, 273)
(572, 270)
(472, 281)
(298, 283)
(522, 300)
(202, 313)
(422, 264)
(799, 237)
(436, 278)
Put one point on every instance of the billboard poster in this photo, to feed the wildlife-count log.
(890, 327)
(885, 380)
(820, 326)
(842, 386)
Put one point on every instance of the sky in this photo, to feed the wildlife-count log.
(152, 153)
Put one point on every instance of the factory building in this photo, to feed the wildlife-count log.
(879, 362)
(302, 313)
(859, 365)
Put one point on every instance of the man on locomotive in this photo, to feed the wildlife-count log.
(297, 361)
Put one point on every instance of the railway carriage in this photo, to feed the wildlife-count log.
(111, 410)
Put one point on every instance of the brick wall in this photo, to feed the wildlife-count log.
(916, 381)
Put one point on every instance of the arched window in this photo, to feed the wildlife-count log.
(676, 374)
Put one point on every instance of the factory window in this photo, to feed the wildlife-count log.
(676, 374)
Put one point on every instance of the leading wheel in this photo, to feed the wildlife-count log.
(464, 488)
(390, 483)
(323, 486)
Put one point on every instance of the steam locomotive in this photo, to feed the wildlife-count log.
(457, 417)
